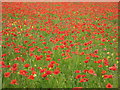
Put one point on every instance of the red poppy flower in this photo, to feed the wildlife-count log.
(32, 49)
(83, 75)
(38, 58)
(86, 61)
(45, 51)
(102, 44)
(47, 55)
(62, 54)
(48, 58)
(107, 76)
(34, 72)
(96, 51)
(8, 66)
(91, 71)
(61, 46)
(23, 72)
(31, 77)
(7, 74)
(42, 70)
(82, 53)
(58, 59)
(71, 45)
(77, 88)
(83, 80)
(103, 72)
(78, 76)
(2, 62)
(85, 71)
(39, 49)
(43, 42)
(15, 65)
(114, 68)
(87, 57)
(14, 82)
(77, 71)
(26, 65)
(50, 52)
(25, 42)
(52, 62)
(108, 85)
(46, 78)
(32, 69)
(50, 66)
(100, 66)
(48, 72)
(44, 75)
(4, 55)
(56, 72)
(46, 47)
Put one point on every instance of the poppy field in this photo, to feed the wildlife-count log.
(59, 45)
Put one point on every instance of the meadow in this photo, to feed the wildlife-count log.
(59, 45)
